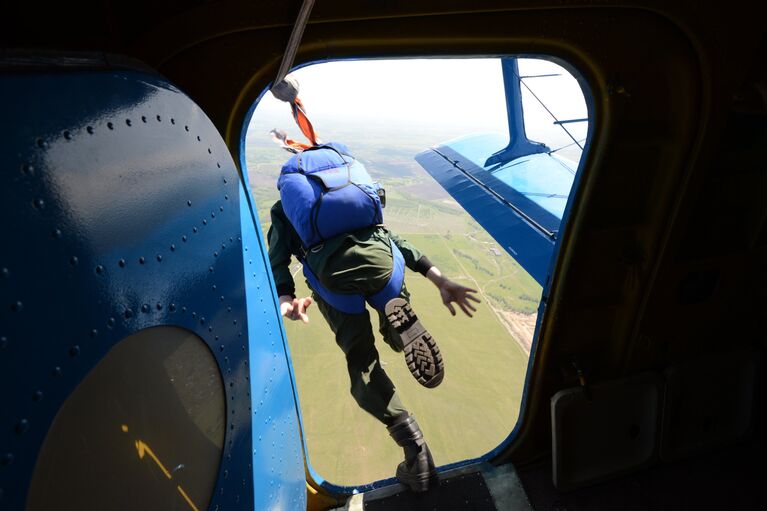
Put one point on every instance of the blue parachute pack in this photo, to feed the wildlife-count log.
(326, 192)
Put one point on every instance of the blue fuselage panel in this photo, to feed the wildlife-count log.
(123, 211)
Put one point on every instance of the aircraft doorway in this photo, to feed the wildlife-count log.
(510, 160)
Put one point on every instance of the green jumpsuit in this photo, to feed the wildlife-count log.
(358, 262)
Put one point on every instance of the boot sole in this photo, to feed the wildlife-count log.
(422, 354)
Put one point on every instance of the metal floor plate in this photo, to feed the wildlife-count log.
(480, 487)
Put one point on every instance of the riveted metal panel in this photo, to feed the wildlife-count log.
(121, 211)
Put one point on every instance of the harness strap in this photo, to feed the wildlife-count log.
(394, 286)
(355, 303)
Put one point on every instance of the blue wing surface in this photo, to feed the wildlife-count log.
(520, 202)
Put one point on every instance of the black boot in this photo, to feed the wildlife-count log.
(418, 470)
(422, 354)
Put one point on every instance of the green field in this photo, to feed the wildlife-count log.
(477, 404)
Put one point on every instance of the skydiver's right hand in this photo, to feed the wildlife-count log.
(295, 308)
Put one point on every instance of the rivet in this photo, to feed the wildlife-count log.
(56, 233)
(221, 208)
(213, 214)
(215, 338)
(3, 342)
(194, 229)
(194, 314)
(221, 348)
(210, 268)
(172, 120)
(202, 321)
(226, 474)
(188, 203)
(38, 203)
(37, 396)
(40, 143)
(198, 138)
(226, 197)
(74, 351)
(218, 165)
(183, 238)
(99, 269)
(28, 169)
(57, 371)
(186, 128)
(159, 258)
(110, 322)
(22, 427)
(204, 222)
(94, 332)
(215, 254)
(110, 126)
(143, 118)
(89, 129)
(141, 260)
(73, 260)
(225, 181)
(172, 247)
(213, 287)
(234, 322)
(221, 298)
(145, 308)
(223, 246)
(209, 151)
(4, 273)
(172, 307)
(228, 309)
(17, 306)
(7, 459)
(128, 122)
(121, 263)
(183, 309)
(159, 119)
(128, 313)
(67, 135)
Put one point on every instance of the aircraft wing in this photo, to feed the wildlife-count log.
(520, 202)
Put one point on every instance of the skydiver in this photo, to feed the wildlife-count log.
(330, 218)
(361, 263)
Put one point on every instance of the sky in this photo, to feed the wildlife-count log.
(459, 96)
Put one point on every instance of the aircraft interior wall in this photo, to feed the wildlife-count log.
(653, 327)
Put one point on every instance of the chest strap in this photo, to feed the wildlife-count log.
(355, 303)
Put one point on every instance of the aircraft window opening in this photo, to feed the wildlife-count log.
(486, 207)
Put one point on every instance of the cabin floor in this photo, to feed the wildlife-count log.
(480, 487)
(730, 478)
